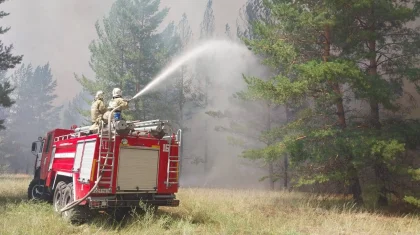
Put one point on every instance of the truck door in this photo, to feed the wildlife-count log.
(46, 155)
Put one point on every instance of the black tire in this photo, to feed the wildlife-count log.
(77, 214)
(58, 196)
(35, 190)
(119, 214)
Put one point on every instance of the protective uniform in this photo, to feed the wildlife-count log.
(116, 101)
(97, 110)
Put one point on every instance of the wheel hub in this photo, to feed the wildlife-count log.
(37, 191)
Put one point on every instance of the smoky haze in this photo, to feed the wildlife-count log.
(224, 64)
(59, 32)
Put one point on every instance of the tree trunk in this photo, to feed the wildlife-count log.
(374, 112)
(271, 174)
(355, 188)
(286, 158)
(286, 169)
(373, 71)
(271, 163)
(206, 160)
(341, 116)
(335, 86)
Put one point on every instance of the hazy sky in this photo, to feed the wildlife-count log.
(59, 32)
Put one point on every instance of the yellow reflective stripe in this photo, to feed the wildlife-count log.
(93, 170)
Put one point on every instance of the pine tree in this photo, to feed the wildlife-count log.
(207, 26)
(34, 112)
(297, 43)
(207, 29)
(228, 32)
(379, 38)
(5, 101)
(74, 111)
(129, 53)
(7, 61)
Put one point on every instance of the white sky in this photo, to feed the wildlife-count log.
(59, 32)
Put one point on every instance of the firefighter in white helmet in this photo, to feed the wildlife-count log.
(97, 111)
(117, 101)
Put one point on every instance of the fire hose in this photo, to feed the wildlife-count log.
(75, 203)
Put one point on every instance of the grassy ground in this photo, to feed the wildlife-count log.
(209, 211)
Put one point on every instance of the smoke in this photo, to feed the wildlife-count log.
(60, 33)
(223, 167)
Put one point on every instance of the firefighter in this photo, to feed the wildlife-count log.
(97, 111)
(116, 101)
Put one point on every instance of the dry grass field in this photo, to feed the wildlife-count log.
(208, 211)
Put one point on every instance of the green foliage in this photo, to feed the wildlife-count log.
(412, 200)
(5, 101)
(7, 61)
(318, 48)
(76, 110)
(129, 53)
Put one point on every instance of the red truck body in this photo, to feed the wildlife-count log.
(134, 169)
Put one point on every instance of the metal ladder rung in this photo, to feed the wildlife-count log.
(173, 171)
(107, 170)
(107, 165)
(106, 155)
(109, 153)
(104, 182)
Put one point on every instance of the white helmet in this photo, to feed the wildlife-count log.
(99, 95)
(116, 92)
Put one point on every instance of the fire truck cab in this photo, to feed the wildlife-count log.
(124, 165)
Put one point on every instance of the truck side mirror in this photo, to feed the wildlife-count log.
(34, 147)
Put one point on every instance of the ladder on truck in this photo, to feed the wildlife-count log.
(106, 161)
(172, 169)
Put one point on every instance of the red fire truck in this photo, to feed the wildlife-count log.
(123, 165)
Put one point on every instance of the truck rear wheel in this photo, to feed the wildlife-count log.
(58, 196)
(35, 190)
(77, 214)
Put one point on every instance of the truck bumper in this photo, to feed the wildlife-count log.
(105, 202)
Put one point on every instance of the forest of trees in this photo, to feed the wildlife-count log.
(330, 106)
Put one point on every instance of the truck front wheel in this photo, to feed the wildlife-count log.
(35, 190)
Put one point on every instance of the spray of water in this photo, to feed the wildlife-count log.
(214, 46)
